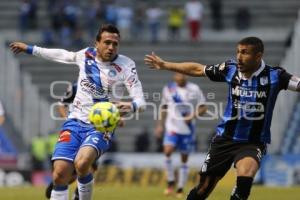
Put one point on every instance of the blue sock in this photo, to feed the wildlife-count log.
(85, 179)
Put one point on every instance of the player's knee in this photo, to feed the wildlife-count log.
(60, 177)
(246, 171)
(82, 166)
(247, 167)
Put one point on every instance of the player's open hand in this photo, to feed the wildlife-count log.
(154, 61)
(18, 47)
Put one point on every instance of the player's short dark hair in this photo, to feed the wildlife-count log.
(254, 41)
(107, 28)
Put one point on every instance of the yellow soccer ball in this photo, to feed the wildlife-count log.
(104, 116)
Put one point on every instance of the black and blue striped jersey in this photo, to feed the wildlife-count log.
(248, 114)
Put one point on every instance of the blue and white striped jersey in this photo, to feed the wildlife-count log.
(97, 80)
(181, 101)
(248, 114)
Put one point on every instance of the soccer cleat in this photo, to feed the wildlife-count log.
(170, 189)
(49, 190)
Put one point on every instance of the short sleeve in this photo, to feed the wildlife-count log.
(284, 78)
(217, 72)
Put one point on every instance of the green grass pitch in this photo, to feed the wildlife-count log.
(121, 192)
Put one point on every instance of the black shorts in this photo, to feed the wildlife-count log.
(223, 152)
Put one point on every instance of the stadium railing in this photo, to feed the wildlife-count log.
(28, 111)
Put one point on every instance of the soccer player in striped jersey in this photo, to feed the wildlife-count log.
(182, 102)
(244, 131)
(103, 73)
(63, 109)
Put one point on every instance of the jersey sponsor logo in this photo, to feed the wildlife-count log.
(132, 80)
(64, 136)
(91, 62)
(112, 73)
(243, 92)
(117, 67)
(263, 80)
(92, 88)
(247, 109)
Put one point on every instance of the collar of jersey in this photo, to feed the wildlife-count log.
(108, 62)
(256, 73)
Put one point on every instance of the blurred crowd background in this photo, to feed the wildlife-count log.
(70, 22)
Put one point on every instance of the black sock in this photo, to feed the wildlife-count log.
(76, 192)
(179, 190)
(193, 195)
(171, 184)
(243, 187)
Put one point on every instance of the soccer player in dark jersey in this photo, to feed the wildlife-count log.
(63, 110)
(244, 131)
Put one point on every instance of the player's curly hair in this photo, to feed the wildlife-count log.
(255, 41)
(107, 28)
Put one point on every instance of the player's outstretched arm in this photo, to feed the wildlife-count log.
(56, 55)
(188, 68)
